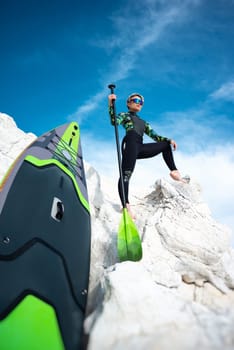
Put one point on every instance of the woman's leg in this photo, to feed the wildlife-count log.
(129, 156)
(149, 150)
(152, 149)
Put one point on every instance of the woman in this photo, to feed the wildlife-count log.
(133, 147)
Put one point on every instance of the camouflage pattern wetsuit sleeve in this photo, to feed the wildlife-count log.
(121, 118)
(151, 133)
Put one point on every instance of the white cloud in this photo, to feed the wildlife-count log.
(88, 106)
(225, 92)
(214, 169)
(135, 28)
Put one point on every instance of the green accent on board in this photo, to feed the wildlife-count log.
(32, 325)
(129, 243)
(70, 142)
(44, 162)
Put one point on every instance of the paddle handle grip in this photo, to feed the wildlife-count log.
(112, 87)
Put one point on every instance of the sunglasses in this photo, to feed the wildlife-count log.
(137, 101)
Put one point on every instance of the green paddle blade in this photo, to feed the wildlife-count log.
(129, 243)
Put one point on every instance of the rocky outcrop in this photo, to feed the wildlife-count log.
(12, 141)
(180, 295)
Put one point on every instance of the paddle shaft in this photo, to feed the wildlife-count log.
(112, 87)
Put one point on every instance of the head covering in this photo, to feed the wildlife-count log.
(135, 94)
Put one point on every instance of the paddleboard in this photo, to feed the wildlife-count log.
(45, 234)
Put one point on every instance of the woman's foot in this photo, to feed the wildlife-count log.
(175, 175)
(130, 211)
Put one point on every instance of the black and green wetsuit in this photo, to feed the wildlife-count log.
(133, 147)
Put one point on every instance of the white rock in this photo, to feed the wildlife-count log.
(140, 314)
(12, 141)
(180, 293)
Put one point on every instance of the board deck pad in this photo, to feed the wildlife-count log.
(45, 235)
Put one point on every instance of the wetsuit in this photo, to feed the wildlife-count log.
(133, 147)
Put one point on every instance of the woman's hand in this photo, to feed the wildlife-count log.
(174, 145)
(111, 97)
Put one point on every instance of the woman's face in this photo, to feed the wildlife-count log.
(135, 104)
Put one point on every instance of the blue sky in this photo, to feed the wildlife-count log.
(57, 59)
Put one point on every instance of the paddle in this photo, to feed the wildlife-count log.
(128, 240)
